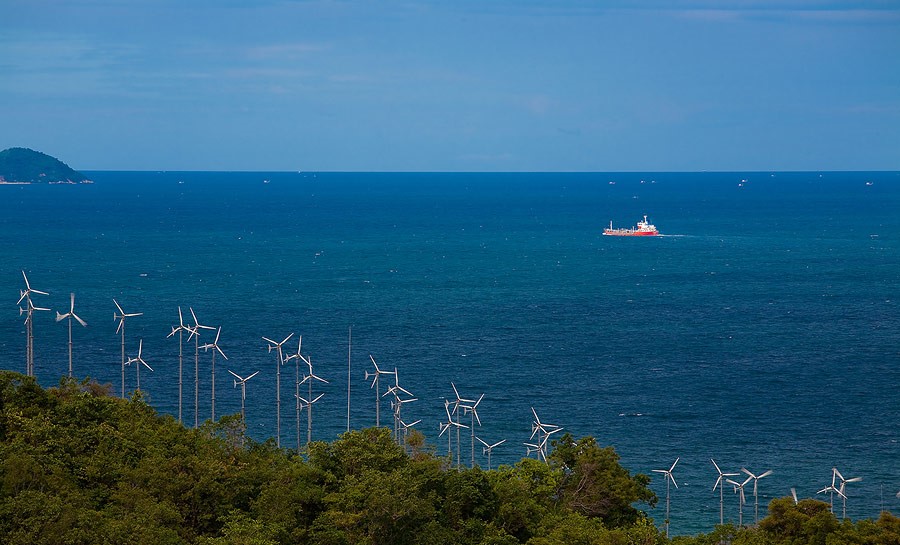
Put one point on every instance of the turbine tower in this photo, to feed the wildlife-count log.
(243, 382)
(138, 361)
(277, 347)
(720, 483)
(488, 448)
(667, 475)
(29, 322)
(121, 329)
(756, 479)
(70, 315)
(215, 346)
(195, 333)
(180, 329)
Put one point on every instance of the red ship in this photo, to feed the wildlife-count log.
(643, 229)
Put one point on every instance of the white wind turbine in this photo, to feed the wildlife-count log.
(308, 403)
(195, 333)
(473, 415)
(121, 329)
(667, 475)
(277, 347)
(832, 489)
(739, 489)
(489, 448)
(842, 489)
(445, 427)
(456, 405)
(297, 357)
(180, 329)
(375, 378)
(70, 315)
(308, 379)
(29, 322)
(720, 483)
(397, 403)
(138, 361)
(215, 346)
(543, 432)
(243, 382)
(405, 427)
(756, 479)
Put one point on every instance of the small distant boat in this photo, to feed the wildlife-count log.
(643, 229)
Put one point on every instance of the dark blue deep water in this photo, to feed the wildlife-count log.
(762, 331)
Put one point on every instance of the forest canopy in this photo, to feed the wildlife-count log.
(78, 466)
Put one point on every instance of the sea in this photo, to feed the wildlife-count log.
(761, 330)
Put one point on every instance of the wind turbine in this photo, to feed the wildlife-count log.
(298, 357)
(308, 403)
(397, 403)
(488, 448)
(195, 333)
(29, 322)
(471, 409)
(832, 489)
(720, 483)
(456, 405)
(841, 489)
(667, 475)
(445, 427)
(538, 428)
(121, 329)
(405, 427)
(739, 488)
(138, 361)
(309, 380)
(277, 347)
(180, 329)
(215, 346)
(756, 479)
(243, 382)
(378, 372)
(70, 315)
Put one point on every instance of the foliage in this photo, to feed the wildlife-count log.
(80, 467)
(25, 165)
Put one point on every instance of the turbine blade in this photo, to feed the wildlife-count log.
(251, 376)
(60, 316)
(673, 465)
(236, 375)
(766, 474)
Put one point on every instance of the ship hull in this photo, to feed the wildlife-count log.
(631, 233)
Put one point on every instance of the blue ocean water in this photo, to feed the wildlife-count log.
(763, 330)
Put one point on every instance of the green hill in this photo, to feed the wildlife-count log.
(26, 166)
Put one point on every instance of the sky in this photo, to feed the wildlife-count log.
(453, 85)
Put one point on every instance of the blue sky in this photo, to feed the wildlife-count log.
(458, 85)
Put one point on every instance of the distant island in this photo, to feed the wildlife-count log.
(26, 166)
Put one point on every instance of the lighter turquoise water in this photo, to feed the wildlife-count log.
(762, 331)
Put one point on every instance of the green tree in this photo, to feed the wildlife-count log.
(594, 484)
